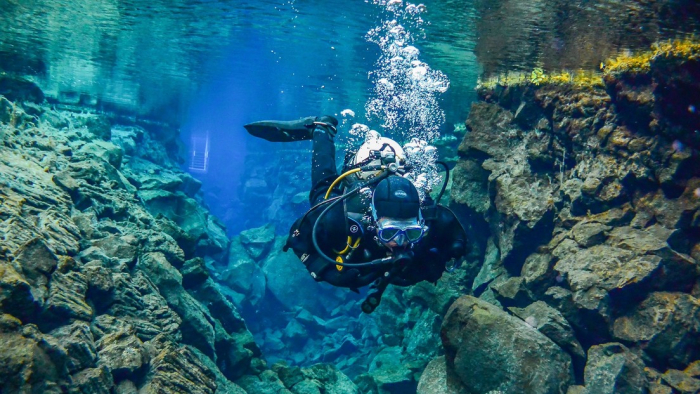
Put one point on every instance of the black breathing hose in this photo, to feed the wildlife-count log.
(340, 199)
(444, 185)
(344, 197)
(324, 202)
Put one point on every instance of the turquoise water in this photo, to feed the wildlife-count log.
(205, 68)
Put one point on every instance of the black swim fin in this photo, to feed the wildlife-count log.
(289, 131)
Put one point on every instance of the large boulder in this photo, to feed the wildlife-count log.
(668, 324)
(614, 369)
(490, 350)
(551, 323)
(437, 379)
(258, 241)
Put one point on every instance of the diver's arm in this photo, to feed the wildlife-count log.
(322, 271)
(451, 234)
(429, 269)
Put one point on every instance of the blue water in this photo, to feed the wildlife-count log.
(285, 62)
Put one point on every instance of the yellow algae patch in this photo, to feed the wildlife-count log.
(680, 49)
(538, 77)
(625, 62)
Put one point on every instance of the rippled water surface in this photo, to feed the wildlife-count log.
(152, 57)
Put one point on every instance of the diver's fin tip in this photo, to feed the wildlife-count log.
(281, 131)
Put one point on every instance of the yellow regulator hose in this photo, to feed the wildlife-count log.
(338, 179)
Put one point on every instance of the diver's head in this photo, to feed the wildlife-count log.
(396, 213)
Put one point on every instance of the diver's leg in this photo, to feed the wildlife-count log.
(323, 169)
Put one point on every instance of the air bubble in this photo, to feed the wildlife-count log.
(405, 92)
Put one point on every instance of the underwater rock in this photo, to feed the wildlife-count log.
(87, 263)
(438, 379)
(194, 273)
(437, 297)
(100, 126)
(538, 272)
(17, 296)
(243, 274)
(423, 341)
(496, 181)
(37, 262)
(601, 269)
(162, 243)
(104, 150)
(491, 350)
(588, 234)
(470, 186)
(289, 282)
(347, 345)
(126, 137)
(179, 208)
(482, 137)
(123, 248)
(215, 244)
(175, 368)
(30, 361)
(235, 347)
(667, 323)
(681, 381)
(265, 383)
(619, 177)
(612, 368)
(389, 374)
(20, 89)
(491, 269)
(79, 343)
(223, 384)
(552, 324)
(319, 378)
(512, 292)
(122, 353)
(295, 333)
(93, 381)
(630, 263)
(149, 176)
(258, 241)
(66, 298)
(137, 302)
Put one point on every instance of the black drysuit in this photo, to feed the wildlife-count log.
(445, 239)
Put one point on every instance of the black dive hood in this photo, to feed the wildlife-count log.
(396, 263)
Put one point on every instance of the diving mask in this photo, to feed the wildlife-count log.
(396, 230)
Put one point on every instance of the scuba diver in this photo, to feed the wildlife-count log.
(368, 225)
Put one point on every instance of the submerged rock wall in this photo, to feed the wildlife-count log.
(104, 267)
(583, 205)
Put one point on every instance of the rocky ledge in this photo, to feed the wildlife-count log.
(583, 203)
(104, 285)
